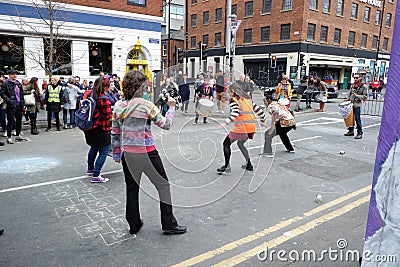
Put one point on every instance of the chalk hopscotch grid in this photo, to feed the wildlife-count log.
(111, 228)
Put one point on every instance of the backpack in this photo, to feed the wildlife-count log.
(84, 115)
(65, 97)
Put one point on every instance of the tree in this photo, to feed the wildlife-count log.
(44, 19)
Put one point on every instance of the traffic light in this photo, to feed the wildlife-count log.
(302, 59)
(180, 55)
(204, 52)
(273, 62)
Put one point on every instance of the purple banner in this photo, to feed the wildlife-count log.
(382, 236)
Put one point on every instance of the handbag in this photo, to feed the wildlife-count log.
(29, 100)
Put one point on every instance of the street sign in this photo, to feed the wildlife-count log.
(234, 26)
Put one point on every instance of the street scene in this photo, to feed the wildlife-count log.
(54, 216)
(199, 133)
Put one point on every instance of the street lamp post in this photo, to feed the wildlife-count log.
(376, 69)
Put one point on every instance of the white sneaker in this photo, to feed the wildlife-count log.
(10, 141)
(222, 111)
(99, 179)
(20, 138)
(5, 134)
(14, 133)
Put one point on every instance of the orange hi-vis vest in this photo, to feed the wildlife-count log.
(246, 121)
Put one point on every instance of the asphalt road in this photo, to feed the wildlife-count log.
(54, 216)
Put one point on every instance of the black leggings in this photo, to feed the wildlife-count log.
(227, 150)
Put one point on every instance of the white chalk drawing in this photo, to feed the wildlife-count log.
(102, 222)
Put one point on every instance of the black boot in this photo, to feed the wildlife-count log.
(349, 133)
(205, 120)
(224, 169)
(359, 135)
(195, 121)
(248, 166)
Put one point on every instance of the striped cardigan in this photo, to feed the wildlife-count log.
(131, 126)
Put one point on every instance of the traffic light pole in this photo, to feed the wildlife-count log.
(228, 41)
(201, 57)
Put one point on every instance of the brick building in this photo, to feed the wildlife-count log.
(111, 36)
(325, 38)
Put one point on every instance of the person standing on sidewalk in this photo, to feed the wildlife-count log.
(53, 102)
(12, 94)
(32, 110)
(358, 93)
(323, 93)
(309, 92)
(99, 137)
(131, 134)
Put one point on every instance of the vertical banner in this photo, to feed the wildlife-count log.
(382, 238)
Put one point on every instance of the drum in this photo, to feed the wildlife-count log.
(205, 107)
(345, 108)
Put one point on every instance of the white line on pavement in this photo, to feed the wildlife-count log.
(293, 141)
(52, 182)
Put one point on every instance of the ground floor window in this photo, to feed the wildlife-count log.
(11, 54)
(61, 61)
(100, 58)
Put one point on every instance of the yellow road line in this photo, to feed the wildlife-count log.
(208, 255)
(295, 232)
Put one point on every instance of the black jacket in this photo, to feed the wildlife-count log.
(7, 92)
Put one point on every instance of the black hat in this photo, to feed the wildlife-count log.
(12, 71)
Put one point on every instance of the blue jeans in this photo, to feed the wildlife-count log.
(357, 118)
(92, 154)
(71, 117)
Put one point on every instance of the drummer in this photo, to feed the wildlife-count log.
(242, 115)
(358, 93)
(204, 90)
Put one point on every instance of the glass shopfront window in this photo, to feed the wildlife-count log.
(62, 64)
(11, 54)
(100, 58)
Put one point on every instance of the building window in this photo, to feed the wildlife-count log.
(218, 39)
(267, 6)
(193, 42)
(205, 39)
(326, 6)
(313, 4)
(388, 19)
(137, 2)
(323, 38)
(374, 42)
(265, 32)
(194, 20)
(367, 13)
(9, 56)
(176, 12)
(100, 58)
(364, 40)
(194, 2)
(248, 34)
(354, 9)
(287, 5)
(337, 36)
(206, 17)
(234, 9)
(339, 8)
(311, 32)
(164, 49)
(218, 15)
(249, 9)
(378, 17)
(350, 41)
(285, 32)
(385, 44)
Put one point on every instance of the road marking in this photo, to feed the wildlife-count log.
(295, 232)
(52, 182)
(212, 253)
(279, 143)
(372, 125)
